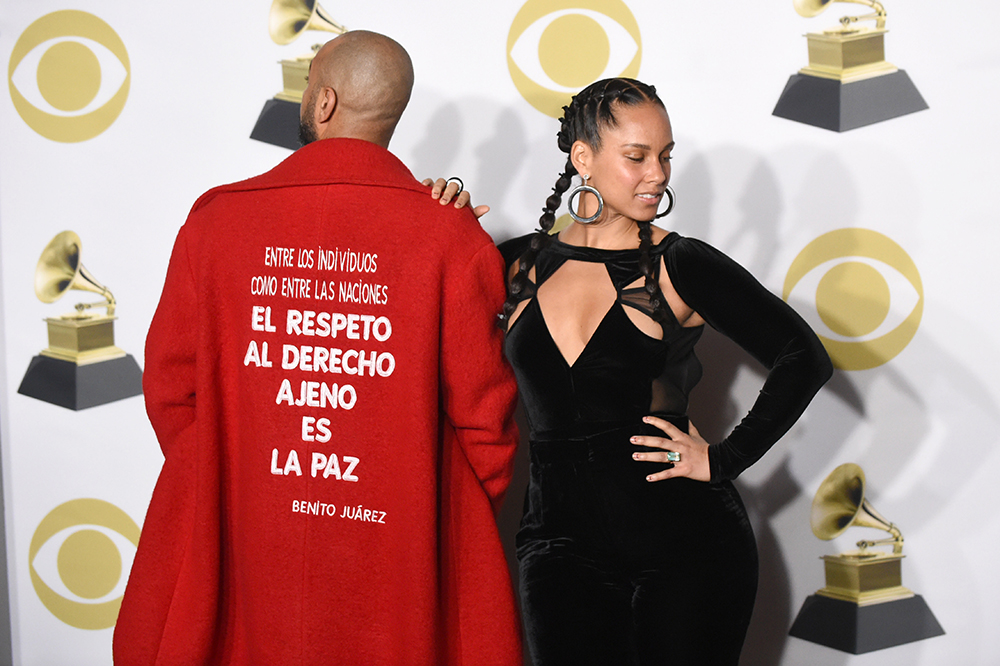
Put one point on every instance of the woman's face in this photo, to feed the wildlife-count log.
(632, 168)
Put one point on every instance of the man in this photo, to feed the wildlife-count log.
(325, 378)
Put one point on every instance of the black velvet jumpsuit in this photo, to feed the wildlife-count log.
(615, 569)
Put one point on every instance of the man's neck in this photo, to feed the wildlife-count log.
(364, 132)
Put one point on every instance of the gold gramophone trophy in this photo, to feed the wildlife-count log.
(278, 123)
(81, 367)
(847, 83)
(864, 606)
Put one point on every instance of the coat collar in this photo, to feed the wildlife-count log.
(327, 162)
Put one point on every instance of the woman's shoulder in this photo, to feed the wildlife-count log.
(696, 269)
(512, 249)
(658, 234)
(664, 241)
(690, 259)
(671, 244)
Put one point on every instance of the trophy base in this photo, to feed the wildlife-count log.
(848, 627)
(278, 124)
(77, 387)
(864, 578)
(850, 55)
(839, 107)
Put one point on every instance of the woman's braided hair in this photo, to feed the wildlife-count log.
(588, 113)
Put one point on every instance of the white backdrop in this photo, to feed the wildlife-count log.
(923, 425)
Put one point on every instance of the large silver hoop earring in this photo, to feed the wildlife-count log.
(669, 192)
(583, 187)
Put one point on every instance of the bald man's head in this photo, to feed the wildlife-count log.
(359, 84)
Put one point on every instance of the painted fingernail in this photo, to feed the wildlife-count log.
(636, 456)
(649, 478)
(634, 440)
(645, 419)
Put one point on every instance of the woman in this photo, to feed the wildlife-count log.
(635, 547)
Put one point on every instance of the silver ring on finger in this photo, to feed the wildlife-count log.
(456, 179)
(673, 456)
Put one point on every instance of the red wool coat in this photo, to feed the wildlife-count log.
(325, 378)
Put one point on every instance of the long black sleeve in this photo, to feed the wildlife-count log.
(732, 302)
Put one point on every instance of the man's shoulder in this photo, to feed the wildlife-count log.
(442, 229)
(397, 203)
(324, 163)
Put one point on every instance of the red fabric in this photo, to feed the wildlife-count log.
(226, 571)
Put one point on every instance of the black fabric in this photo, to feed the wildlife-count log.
(739, 307)
(614, 569)
(622, 373)
(513, 248)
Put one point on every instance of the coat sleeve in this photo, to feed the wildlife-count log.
(168, 611)
(732, 302)
(479, 395)
(169, 380)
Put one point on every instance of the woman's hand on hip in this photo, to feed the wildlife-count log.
(691, 447)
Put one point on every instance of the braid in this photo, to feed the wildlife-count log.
(651, 286)
(587, 114)
(595, 107)
(520, 281)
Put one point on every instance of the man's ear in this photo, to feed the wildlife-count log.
(325, 106)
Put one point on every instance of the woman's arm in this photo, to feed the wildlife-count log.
(734, 303)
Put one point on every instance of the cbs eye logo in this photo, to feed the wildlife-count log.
(557, 47)
(864, 293)
(69, 76)
(77, 559)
